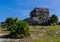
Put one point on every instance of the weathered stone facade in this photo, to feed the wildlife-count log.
(38, 16)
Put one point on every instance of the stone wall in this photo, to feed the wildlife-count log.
(38, 16)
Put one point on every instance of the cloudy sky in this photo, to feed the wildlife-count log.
(22, 8)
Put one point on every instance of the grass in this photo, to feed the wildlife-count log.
(48, 39)
(41, 34)
(3, 31)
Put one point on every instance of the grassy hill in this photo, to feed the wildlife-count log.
(40, 34)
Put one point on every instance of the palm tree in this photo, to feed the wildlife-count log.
(17, 27)
(53, 19)
(11, 22)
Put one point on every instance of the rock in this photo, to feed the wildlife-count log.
(29, 20)
(53, 24)
(38, 16)
(57, 32)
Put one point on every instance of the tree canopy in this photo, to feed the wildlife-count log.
(54, 18)
(17, 27)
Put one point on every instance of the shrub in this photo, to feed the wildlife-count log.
(20, 29)
(53, 19)
(17, 27)
(58, 23)
(10, 22)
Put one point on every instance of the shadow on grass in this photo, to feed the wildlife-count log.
(5, 30)
(8, 37)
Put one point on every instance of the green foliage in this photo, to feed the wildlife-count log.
(17, 27)
(58, 23)
(10, 22)
(54, 19)
(48, 34)
(21, 29)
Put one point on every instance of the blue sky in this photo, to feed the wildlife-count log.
(22, 8)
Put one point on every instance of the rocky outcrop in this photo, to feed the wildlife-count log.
(38, 16)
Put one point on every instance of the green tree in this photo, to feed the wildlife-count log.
(54, 19)
(10, 22)
(17, 27)
(21, 29)
(59, 23)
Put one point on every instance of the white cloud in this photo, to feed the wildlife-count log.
(53, 5)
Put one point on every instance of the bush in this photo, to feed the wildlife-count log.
(10, 22)
(20, 29)
(58, 23)
(53, 19)
(17, 27)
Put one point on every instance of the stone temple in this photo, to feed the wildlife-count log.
(38, 16)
